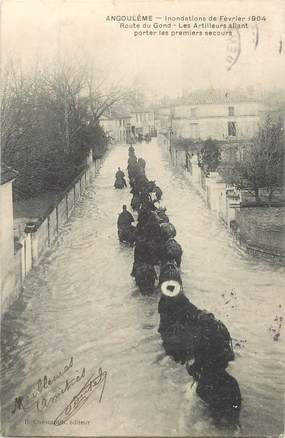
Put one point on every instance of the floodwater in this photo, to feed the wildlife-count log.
(81, 302)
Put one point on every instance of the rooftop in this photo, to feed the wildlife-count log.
(115, 115)
(214, 96)
(142, 110)
(219, 96)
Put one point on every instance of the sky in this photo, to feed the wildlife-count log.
(34, 30)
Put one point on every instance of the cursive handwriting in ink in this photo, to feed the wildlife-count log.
(81, 398)
(40, 401)
(46, 382)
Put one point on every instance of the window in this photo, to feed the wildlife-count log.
(232, 129)
(193, 112)
(231, 110)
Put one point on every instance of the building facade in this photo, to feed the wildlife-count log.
(143, 122)
(226, 120)
(116, 126)
(163, 119)
(8, 279)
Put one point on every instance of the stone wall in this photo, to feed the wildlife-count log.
(269, 240)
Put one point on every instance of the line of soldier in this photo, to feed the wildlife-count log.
(191, 336)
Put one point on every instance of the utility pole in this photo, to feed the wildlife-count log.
(66, 122)
(170, 131)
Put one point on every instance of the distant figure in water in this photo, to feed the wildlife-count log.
(120, 174)
(131, 150)
(120, 181)
(125, 218)
(126, 231)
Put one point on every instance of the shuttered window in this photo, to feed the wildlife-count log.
(232, 129)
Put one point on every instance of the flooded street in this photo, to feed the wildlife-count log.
(81, 302)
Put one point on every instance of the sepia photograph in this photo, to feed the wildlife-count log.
(142, 218)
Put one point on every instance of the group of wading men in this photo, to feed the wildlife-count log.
(191, 336)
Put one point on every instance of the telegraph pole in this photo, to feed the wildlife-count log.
(170, 133)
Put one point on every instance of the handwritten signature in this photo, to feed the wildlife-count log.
(39, 400)
(81, 398)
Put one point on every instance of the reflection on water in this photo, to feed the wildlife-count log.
(82, 302)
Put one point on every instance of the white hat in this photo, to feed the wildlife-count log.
(170, 288)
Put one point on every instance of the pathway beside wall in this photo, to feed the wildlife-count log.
(265, 240)
(39, 236)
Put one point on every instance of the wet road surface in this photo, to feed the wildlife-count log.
(81, 302)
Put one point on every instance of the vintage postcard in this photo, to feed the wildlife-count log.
(142, 218)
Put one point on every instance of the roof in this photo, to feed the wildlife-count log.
(215, 96)
(115, 115)
(7, 174)
(218, 96)
(142, 110)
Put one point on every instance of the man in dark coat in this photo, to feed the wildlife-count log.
(177, 326)
(142, 253)
(222, 394)
(176, 310)
(120, 178)
(212, 353)
(131, 150)
(125, 218)
(120, 174)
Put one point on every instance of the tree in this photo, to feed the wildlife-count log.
(47, 127)
(210, 156)
(101, 95)
(94, 136)
(62, 85)
(260, 164)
